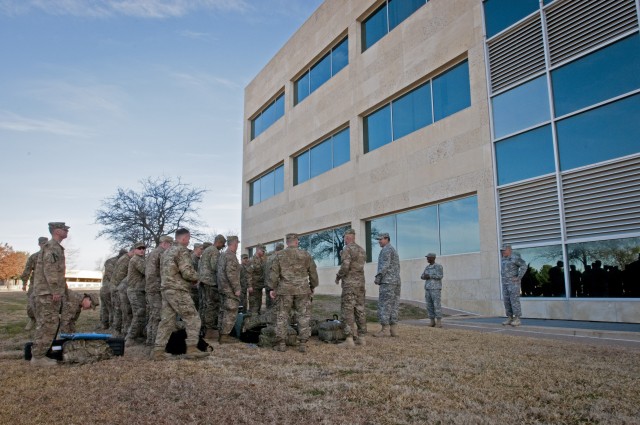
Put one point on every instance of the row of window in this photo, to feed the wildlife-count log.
(501, 14)
(270, 114)
(268, 185)
(319, 73)
(384, 19)
(325, 246)
(322, 157)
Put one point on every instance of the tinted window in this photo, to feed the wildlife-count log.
(375, 27)
(606, 73)
(279, 179)
(321, 158)
(377, 127)
(604, 133)
(320, 73)
(545, 271)
(399, 10)
(341, 148)
(521, 107)
(339, 57)
(459, 229)
(325, 246)
(268, 116)
(267, 186)
(525, 156)
(256, 126)
(302, 88)
(451, 91)
(500, 14)
(302, 168)
(255, 192)
(412, 111)
(381, 225)
(279, 108)
(418, 233)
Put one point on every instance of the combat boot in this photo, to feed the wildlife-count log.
(280, 347)
(432, 323)
(129, 342)
(394, 331)
(348, 343)
(438, 323)
(515, 322)
(302, 347)
(157, 354)
(227, 339)
(508, 321)
(361, 341)
(29, 325)
(43, 362)
(382, 332)
(211, 335)
(194, 353)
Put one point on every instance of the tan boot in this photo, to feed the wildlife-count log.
(508, 321)
(432, 323)
(227, 339)
(348, 343)
(394, 331)
(302, 347)
(157, 354)
(515, 322)
(194, 353)
(43, 362)
(211, 335)
(382, 332)
(361, 341)
(280, 347)
(438, 323)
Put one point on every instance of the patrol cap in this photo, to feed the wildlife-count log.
(122, 251)
(197, 245)
(505, 247)
(206, 245)
(383, 236)
(220, 238)
(232, 239)
(291, 236)
(350, 232)
(58, 225)
(42, 240)
(139, 245)
(243, 256)
(430, 255)
(261, 247)
(279, 246)
(166, 239)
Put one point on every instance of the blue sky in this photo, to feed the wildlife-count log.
(96, 95)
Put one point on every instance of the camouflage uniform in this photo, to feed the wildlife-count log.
(245, 283)
(228, 277)
(119, 274)
(195, 290)
(177, 278)
(267, 273)
(49, 280)
(257, 270)
(207, 271)
(106, 308)
(293, 277)
(137, 296)
(512, 269)
(152, 290)
(353, 289)
(433, 289)
(27, 276)
(72, 308)
(388, 277)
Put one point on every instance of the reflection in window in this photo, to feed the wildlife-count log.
(604, 74)
(451, 91)
(270, 114)
(608, 132)
(385, 18)
(525, 156)
(545, 271)
(521, 107)
(377, 129)
(412, 111)
(448, 228)
(501, 14)
(605, 269)
(325, 246)
(268, 185)
(270, 247)
(322, 157)
(320, 72)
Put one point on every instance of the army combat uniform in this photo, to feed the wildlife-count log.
(351, 273)
(432, 275)
(207, 270)
(137, 297)
(119, 313)
(152, 290)
(228, 277)
(27, 276)
(388, 277)
(106, 307)
(245, 283)
(512, 271)
(257, 270)
(72, 308)
(195, 289)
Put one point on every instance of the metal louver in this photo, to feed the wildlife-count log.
(577, 25)
(529, 212)
(517, 54)
(603, 200)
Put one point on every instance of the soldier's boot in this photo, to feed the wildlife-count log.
(302, 347)
(394, 331)
(29, 325)
(227, 339)
(438, 323)
(280, 347)
(516, 321)
(432, 323)
(382, 332)
(158, 354)
(129, 342)
(211, 334)
(508, 321)
(43, 362)
(361, 341)
(194, 353)
(348, 343)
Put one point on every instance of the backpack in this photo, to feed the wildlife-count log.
(332, 330)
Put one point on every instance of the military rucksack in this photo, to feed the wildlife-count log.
(268, 337)
(82, 351)
(332, 330)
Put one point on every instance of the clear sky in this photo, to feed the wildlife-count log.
(99, 94)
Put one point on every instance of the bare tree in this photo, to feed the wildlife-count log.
(161, 207)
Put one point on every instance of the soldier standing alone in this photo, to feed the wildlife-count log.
(512, 271)
(388, 278)
(27, 276)
(351, 274)
(152, 287)
(293, 278)
(432, 275)
(229, 287)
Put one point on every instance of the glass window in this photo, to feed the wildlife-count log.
(320, 159)
(341, 148)
(399, 10)
(605, 269)
(601, 134)
(279, 108)
(380, 225)
(279, 179)
(340, 56)
(256, 126)
(302, 88)
(267, 186)
(545, 271)
(521, 107)
(525, 156)
(377, 128)
(320, 73)
(374, 27)
(459, 228)
(268, 116)
(606, 73)
(500, 14)
(451, 91)
(418, 233)
(302, 167)
(325, 246)
(255, 192)
(412, 111)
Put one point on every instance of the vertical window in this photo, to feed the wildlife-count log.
(267, 186)
(341, 148)
(385, 18)
(269, 115)
(459, 228)
(521, 107)
(525, 156)
(320, 160)
(339, 56)
(325, 246)
(302, 88)
(320, 73)
(501, 14)
(377, 129)
(322, 157)
(418, 232)
(399, 10)
(302, 167)
(451, 91)
(376, 227)
(412, 111)
(545, 271)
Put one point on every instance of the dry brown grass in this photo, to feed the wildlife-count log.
(426, 376)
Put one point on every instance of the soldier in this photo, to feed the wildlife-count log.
(74, 303)
(293, 278)
(257, 270)
(50, 288)
(152, 288)
(106, 306)
(208, 268)
(512, 271)
(351, 274)
(135, 293)
(121, 309)
(195, 259)
(27, 276)
(245, 281)
(201, 291)
(177, 277)
(388, 278)
(228, 278)
(432, 275)
(267, 272)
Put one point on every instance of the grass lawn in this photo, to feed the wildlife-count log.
(426, 376)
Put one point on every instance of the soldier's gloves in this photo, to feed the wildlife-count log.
(378, 279)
